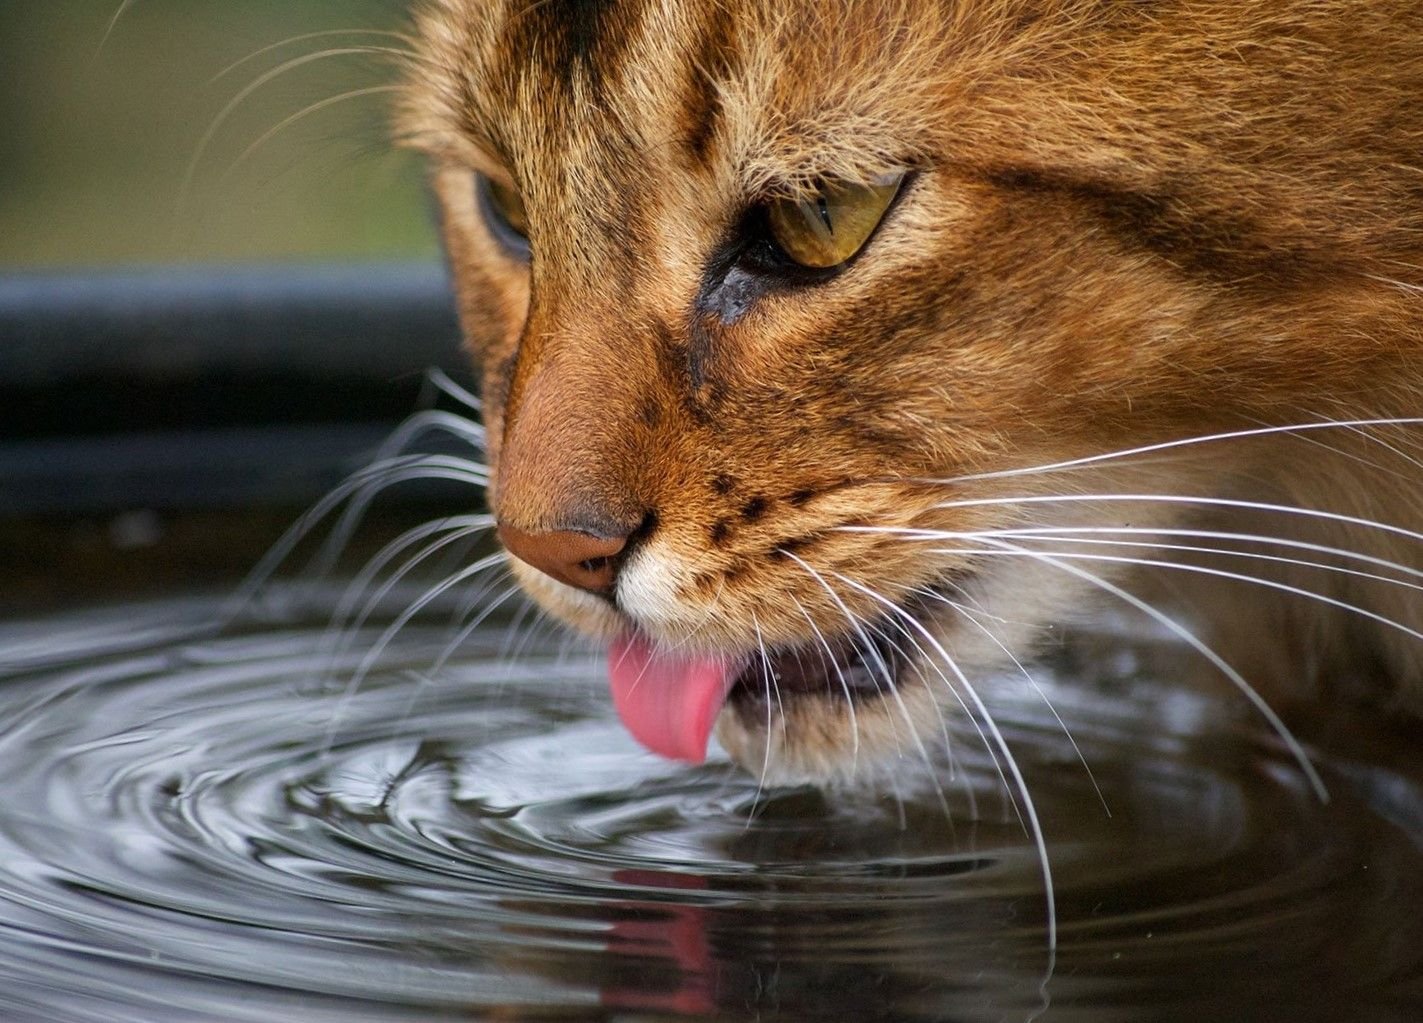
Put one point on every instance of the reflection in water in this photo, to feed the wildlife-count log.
(672, 938)
(217, 829)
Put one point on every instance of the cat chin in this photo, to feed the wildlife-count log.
(825, 739)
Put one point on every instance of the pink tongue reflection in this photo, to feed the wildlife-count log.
(668, 703)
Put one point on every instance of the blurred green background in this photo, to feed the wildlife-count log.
(97, 135)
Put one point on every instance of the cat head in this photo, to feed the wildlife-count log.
(775, 306)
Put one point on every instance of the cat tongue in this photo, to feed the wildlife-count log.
(669, 703)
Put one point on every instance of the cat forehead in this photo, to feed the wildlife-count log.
(796, 89)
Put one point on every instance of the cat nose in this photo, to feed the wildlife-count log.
(576, 558)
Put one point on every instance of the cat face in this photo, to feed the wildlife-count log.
(1093, 233)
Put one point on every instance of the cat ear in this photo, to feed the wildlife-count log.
(829, 226)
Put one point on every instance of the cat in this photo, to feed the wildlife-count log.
(836, 354)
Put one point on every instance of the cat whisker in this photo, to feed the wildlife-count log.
(854, 621)
(1195, 642)
(972, 618)
(1391, 448)
(526, 623)
(1028, 806)
(1368, 434)
(914, 663)
(1352, 456)
(769, 676)
(360, 584)
(113, 24)
(359, 487)
(404, 435)
(1233, 553)
(433, 421)
(1174, 445)
(568, 640)
(973, 718)
(867, 646)
(515, 631)
(301, 114)
(856, 624)
(407, 53)
(969, 793)
(444, 384)
(840, 675)
(1057, 534)
(205, 141)
(470, 604)
(362, 581)
(1100, 534)
(1188, 500)
(372, 657)
(402, 469)
(1220, 573)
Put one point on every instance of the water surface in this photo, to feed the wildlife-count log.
(223, 827)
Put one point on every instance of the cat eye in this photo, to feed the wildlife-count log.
(503, 209)
(833, 223)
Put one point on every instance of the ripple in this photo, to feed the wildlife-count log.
(221, 828)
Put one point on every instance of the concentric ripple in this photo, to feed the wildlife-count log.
(242, 828)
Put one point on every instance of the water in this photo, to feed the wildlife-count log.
(219, 828)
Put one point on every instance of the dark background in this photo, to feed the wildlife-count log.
(196, 341)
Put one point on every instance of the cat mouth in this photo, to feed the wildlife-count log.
(670, 701)
(865, 664)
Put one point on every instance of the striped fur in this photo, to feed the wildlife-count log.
(1128, 222)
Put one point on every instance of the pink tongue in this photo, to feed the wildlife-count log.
(668, 703)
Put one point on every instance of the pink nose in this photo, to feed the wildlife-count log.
(573, 557)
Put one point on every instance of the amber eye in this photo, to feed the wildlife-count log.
(829, 226)
(503, 209)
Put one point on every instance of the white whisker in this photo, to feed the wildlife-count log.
(364, 482)
(972, 619)
(893, 688)
(1029, 808)
(840, 675)
(390, 472)
(1209, 502)
(1229, 552)
(444, 384)
(378, 597)
(304, 112)
(1101, 534)
(972, 719)
(766, 755)
(432, 594)
(407, 54)
(1238, 680)
(1007, 788)
(372, 656)
(190, 173)
(454, 528)
(855, 624)
(1219, 573)
(1172, 445)
(113, 24)
(432, 421)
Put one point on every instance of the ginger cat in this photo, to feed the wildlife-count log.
(837, 353)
